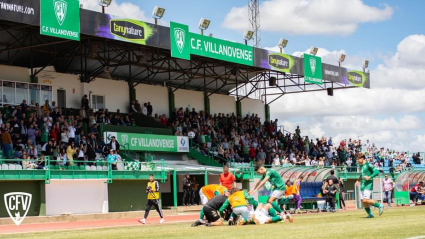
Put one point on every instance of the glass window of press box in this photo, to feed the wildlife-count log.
(13, 93)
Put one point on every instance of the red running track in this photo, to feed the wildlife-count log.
(58, 226)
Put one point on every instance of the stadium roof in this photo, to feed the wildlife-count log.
(102, 53)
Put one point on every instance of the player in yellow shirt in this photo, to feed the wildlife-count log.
(152, 190)
(239, 205)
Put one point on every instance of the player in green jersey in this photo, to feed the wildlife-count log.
(276, 181)
(365, 182)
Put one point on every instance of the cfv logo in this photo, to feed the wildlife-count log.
(313, 65)
(60, 7)
(179, 36)
(16, 203)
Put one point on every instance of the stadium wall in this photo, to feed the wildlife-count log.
(14, 73)
(222, 104)
(127, 195)
(157, 95)
(184, 98)
(76, 197)
(251, 106)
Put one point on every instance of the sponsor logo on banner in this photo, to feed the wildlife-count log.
(279, 61)
(127, 29)
(183, 144)
(60, 18)
(124, 139)
(313, 69)
(60, 7)
(108, 136)
(313, 65)
(356, 77)
(180, 38)
(331, 73)
(17, 205)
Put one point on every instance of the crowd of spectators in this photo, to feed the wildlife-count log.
(248, 139)
(31, 132)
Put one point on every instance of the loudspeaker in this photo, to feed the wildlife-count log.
(330, 91)
(272, 81)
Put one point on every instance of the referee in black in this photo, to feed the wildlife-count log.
(152, 190)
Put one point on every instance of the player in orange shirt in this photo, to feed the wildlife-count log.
(227, 179)
(207, 192)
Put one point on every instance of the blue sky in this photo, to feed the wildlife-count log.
(379, 38)
(389, 33)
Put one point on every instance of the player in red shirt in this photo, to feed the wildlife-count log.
(418, 191)
(227, 179)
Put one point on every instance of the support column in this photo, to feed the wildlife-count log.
(239, 108)
(206, 177)
(267, 112)
(171, 102)
(132, 92)
(175, 188)
(42, 205)
(207, 104)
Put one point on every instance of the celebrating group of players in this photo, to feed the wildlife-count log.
(239, 207)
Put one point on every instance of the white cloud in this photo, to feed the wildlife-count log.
(379, 131)
(405, 68)
(125, 9)
(386, 112)
(328, 17)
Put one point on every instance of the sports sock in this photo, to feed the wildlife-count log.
(286, 201)
(367, 210)
(272, 212)
(201, 215)
(276, 207)
(276, 219)
(376, 204)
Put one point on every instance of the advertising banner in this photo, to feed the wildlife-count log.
(278, 61)
(221, 49)
(60, 18)
(313, 69)
(124, 29)
(151, 142)
(179, 36)
(22, 11)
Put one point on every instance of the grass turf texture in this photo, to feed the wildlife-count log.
(394, 223)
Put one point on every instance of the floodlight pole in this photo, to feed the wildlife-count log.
(156, 21)
(103, 9)
(281, 49)
(202, 32)
(246, 42)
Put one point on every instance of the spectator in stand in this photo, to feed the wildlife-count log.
(149, 108)
(114, 144)
(85, 103)
(6, 141)
(387, 186)
(227, 179)
(145, 109)
(70, 151)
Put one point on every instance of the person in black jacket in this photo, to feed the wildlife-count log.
(211, 213)
(330, 192)
(187, 188)
(113, 144)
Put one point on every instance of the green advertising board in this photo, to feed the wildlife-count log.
(221, 49)
(150, 142)
(60, 18)
(313, 69)
(184, 43)
(179, 41)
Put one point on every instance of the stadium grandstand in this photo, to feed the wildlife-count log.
(89, 103)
